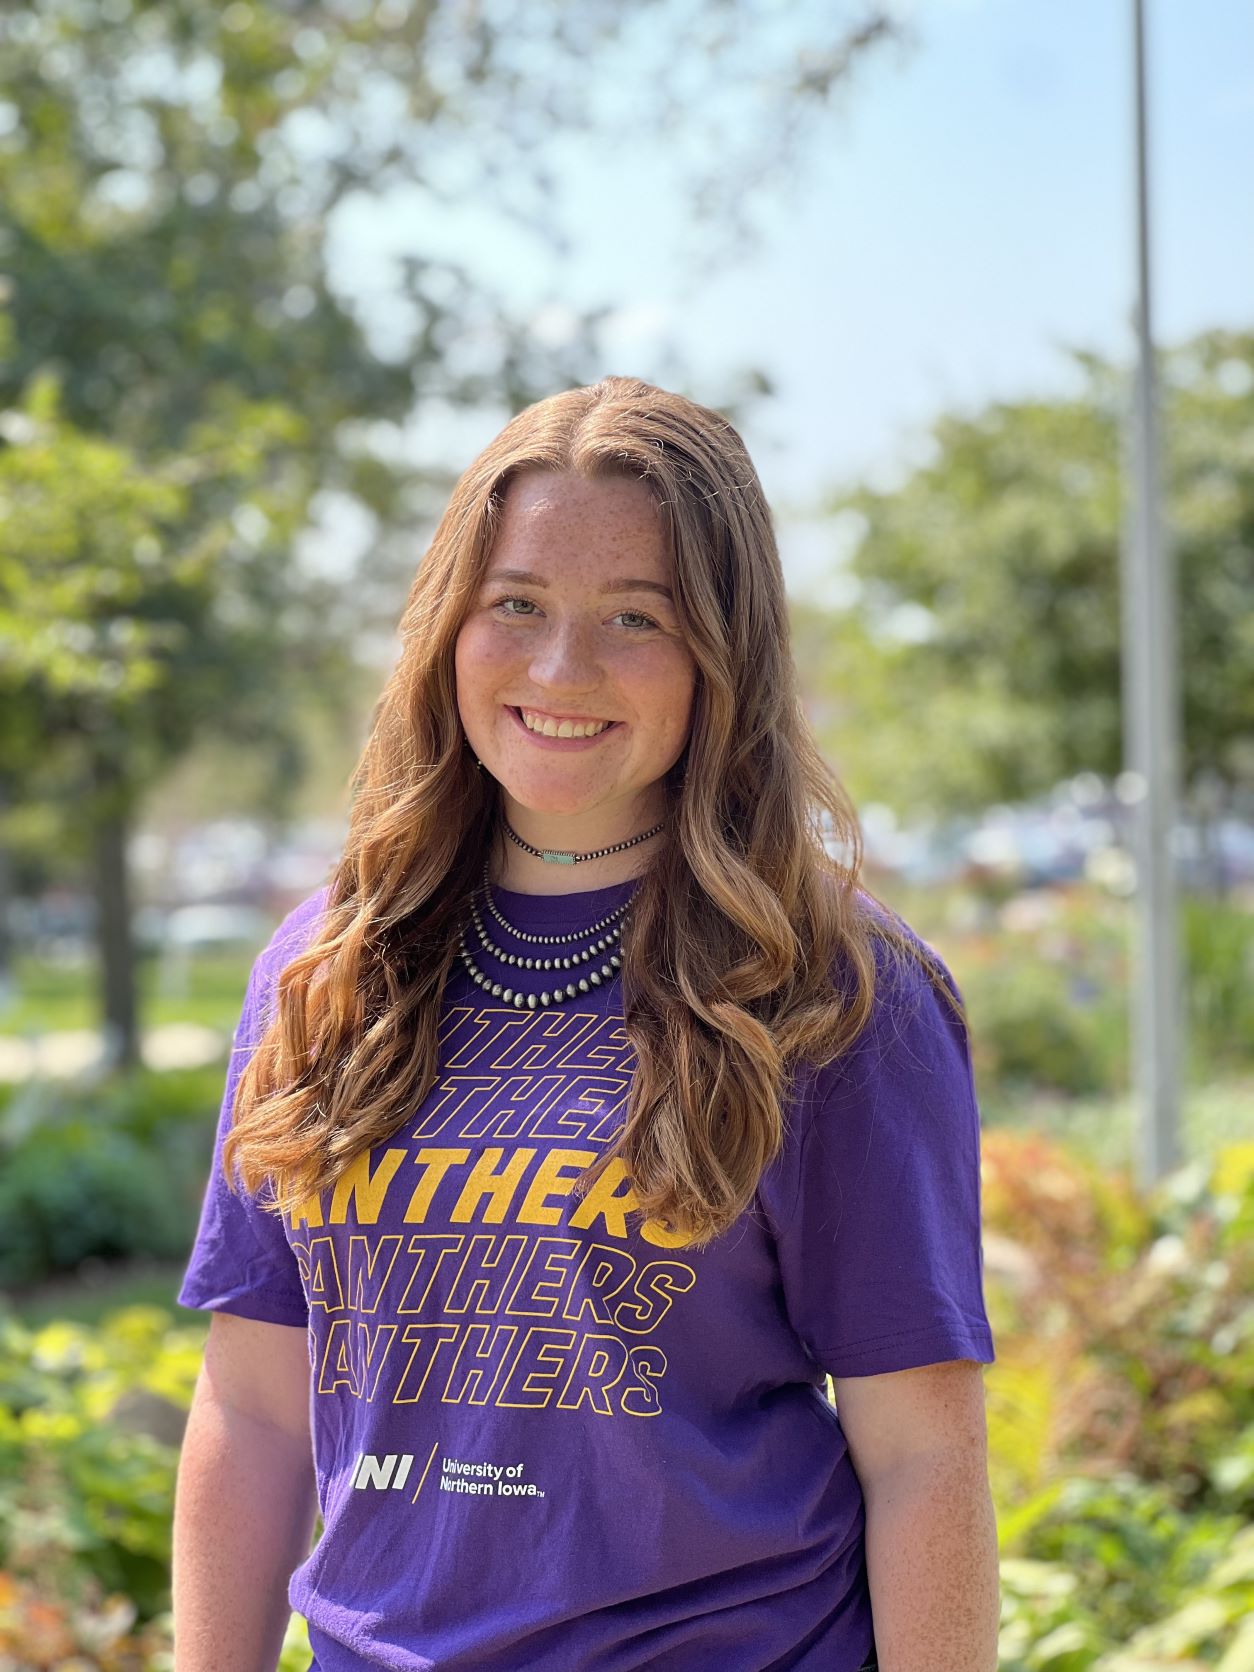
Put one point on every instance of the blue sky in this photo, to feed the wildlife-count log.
(966, 215)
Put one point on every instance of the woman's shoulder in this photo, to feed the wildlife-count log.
(905, 965)
(293, 934)
(908, 1017)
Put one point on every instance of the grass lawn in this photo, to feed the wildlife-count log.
(85, 1297)
(53, 997)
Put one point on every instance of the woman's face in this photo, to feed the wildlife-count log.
(572, 621)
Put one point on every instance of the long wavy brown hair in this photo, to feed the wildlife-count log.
(750, 949)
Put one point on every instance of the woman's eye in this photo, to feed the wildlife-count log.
(501, 604)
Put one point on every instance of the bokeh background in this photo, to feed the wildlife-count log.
(270, 275)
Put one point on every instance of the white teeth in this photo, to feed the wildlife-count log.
(561, 728)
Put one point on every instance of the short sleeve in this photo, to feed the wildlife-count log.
(877, 1210)
(241, 1260)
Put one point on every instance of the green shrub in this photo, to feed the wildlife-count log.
(110, 1170)
(144, 1103)
(74, 1189)
(1078, 1613)
(1030, 1032)
(1046, 976)
(1121, 1409)
(1126, 1330)
(147, 1103)
(90, 1422)
(1215, 1617)
(86, 1491)
(1131, 1547)
(1218, 949)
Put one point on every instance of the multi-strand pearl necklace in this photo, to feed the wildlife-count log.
(613, 923)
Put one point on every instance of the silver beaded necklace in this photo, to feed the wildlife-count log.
(613, 923)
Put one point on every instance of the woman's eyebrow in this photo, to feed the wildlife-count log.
(527, 578)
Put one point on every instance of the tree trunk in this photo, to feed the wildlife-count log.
(113, 916)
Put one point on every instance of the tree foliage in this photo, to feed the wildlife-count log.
(1005, 550)
(184, 382)
(170, 172)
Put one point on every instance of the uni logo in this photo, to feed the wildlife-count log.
(382, 1472)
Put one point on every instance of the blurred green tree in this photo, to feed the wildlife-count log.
(980, 660)
(132, 618)
(182, 385)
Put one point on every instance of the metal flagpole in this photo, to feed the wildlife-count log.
(1151, 725)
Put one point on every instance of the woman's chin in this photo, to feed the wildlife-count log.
(532, 798)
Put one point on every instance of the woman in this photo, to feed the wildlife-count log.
(586, 1119)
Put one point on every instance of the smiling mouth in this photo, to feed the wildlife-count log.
(533, 731)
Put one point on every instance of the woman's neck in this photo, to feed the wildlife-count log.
(512, 867)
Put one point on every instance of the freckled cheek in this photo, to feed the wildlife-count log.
(483, 660)
(667, 701)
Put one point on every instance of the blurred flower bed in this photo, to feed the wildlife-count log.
(1121, 1429)
(91, 1419)
(1121, 1409)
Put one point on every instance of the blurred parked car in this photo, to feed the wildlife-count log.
(212, 928)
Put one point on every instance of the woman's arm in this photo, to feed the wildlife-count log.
(245, 1500)
(919, 1444)
(932, 1566)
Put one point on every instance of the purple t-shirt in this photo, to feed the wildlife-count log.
(544, 1434)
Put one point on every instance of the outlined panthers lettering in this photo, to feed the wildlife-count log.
(455, 1265)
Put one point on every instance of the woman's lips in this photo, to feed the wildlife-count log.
(568, 744)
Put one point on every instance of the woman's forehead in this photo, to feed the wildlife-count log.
(554, 523)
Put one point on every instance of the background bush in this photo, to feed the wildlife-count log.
(103, 1172)
(75, 1190)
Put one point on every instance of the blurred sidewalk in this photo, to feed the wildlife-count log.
(76, 1051)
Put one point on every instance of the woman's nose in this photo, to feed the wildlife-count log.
(566, 656)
